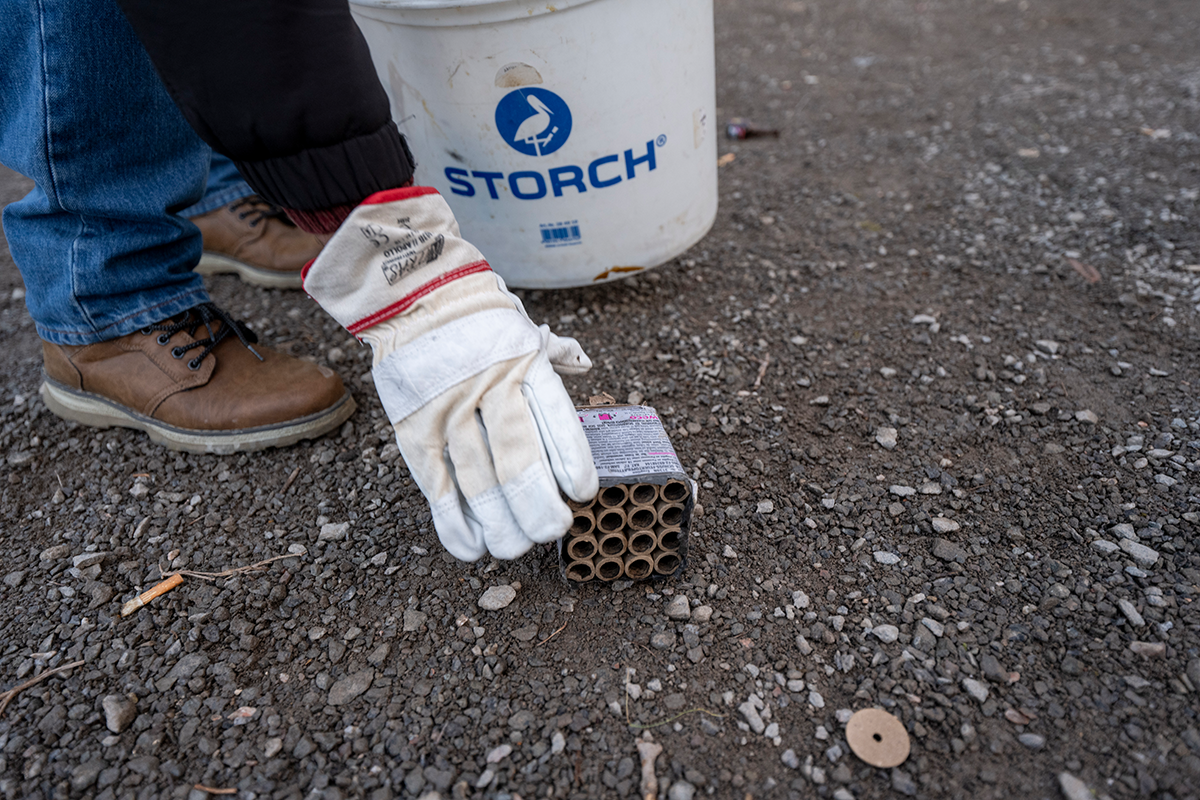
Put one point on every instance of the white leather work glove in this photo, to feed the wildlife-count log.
(468, 381)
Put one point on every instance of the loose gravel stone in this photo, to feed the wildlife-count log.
(350, 687)
(790, 759)
(1143, 555)
(976, 689)
(413, 620)
(886, 437)
(886, 633)
(1032, 740)
(751, 715)
(702, 614)
(949, 551)
(1131, 613)
(887, 559)
(119, 712)
(497, 597)
(1106, 547)
(944, 525)
(333, 531)
(678, 608)
(681, 790)
(1073, 788)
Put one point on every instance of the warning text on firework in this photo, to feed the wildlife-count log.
(628, 441)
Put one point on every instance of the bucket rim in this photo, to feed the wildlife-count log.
(452, 12)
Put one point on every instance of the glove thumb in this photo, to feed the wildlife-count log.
(565, 354)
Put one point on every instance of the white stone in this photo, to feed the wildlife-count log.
(1105, 546)
(929, 487)
(558, 743)
(800, 600)
(976, 689)
(887, 372)
(944, 525)
(678, 608)
(886, 633)
(498, 754)
(885, 558)
(1143, 555)
(1073, 788)
(702, 614)
(729, 552)
(923, 319)
(1087, 415)
(1047, 345)
(902, 491)
(934, 626)
(764, 507)
(886, 437)
(815, 699)
(755, 722)
(497, 597)
(333, 531)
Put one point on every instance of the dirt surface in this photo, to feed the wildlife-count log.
(982, 520)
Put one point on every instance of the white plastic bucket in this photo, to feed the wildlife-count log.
(574, 139)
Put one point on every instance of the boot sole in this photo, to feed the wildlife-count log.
(217, 264)
(99, 412)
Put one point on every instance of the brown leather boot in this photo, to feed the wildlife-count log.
(256, 241)
(195, 383)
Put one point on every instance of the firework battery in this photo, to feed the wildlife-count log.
(637, 526)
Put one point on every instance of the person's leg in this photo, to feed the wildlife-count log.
(225, 186)
(84, 115)
(244, 235)
(129, 335)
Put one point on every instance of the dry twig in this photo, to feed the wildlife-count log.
(288, 483)
(212, 576)
(762, 370)
(212, 790)
(551, 636)
(8, 696)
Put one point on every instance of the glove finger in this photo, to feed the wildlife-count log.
(486, 502)
(564, 352)
(566, 445)
(462, 537)
(522, 467)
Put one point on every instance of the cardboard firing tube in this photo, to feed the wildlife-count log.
(582, 547)
(581, 571)
(666, 563)
(642, 542)
(674, 491)
(609, 569)
(638, 566)
(612, 544)
(668, 539)
(583, 522)
(610, 519)
(613, 496)
(641, 517)
(670, 515)
(644, 494)
(575, 504)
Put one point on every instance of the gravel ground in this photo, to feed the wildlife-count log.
(964, 490)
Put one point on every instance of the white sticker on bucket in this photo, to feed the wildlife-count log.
(628, 441)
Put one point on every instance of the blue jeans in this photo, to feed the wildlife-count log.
(100, 242)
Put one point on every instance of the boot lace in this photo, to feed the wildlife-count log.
(257, 209)
(205, 314)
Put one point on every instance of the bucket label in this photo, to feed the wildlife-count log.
(560, 234)
(533, 121)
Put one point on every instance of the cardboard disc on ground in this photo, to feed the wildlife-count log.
(877, 738)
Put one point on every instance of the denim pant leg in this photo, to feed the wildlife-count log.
(225, 185)
(83, 113)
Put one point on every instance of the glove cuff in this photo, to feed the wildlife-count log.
(395, 248)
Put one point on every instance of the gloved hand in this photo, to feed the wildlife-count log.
(467, 380)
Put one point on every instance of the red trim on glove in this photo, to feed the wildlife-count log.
(393, 195)
(406, 301)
